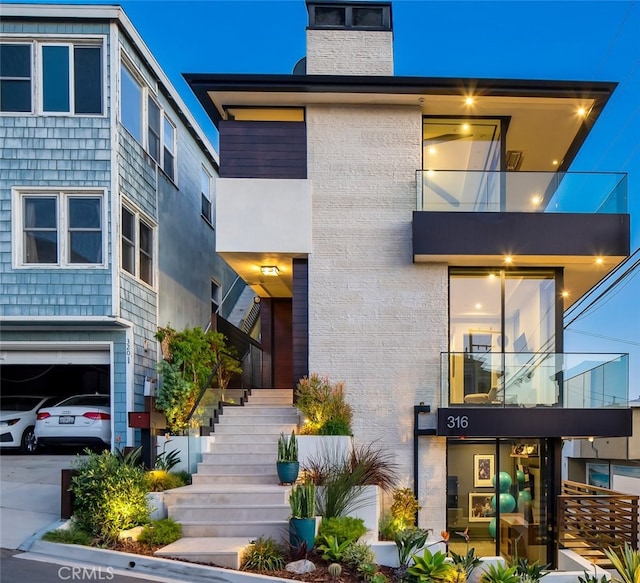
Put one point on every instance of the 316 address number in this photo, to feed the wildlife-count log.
(457, 421)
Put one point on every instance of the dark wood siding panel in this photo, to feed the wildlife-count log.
(300, 328)
(263, 149)
(282, 344)
(266, 327)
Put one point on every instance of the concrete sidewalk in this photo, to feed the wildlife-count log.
(29, 495)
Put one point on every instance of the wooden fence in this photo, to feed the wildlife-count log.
(591, 519)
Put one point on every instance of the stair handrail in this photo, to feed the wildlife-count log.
(207, 383)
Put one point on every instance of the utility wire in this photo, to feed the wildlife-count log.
(613, 338)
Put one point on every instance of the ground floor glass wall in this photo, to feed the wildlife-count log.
(496, 491)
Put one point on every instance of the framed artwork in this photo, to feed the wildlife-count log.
(480, 509)
(484, 468)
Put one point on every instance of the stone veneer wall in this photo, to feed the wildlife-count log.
(376, 320)
(349, 52)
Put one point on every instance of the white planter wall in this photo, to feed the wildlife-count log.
(322, 447)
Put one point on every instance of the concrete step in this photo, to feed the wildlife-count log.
(262, 411)
(234, 494)
(222, 551)
(229, 513)
(268, 454)
(266, 397)
(238, 468)
(239, 450)
(250, 419)
(264, 479)
(225, 439)
(277, 529)
(236, 426)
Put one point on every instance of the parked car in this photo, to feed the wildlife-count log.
(17, 421)
(77, 420)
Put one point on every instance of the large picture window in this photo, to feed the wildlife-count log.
(70, 76)
(131, 103)
(137, 246)
(60, 229)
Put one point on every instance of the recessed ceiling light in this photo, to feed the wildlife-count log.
(582, 111)
(469, 100)
(478, 306)
(535, 199)
(465, 126)
(432, 150)
(599, 260)
(565, 294)
(492, 276)
(555, 162)
(508, 259)
(269, 270)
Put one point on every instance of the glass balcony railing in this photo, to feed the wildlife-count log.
(531, 379)
(521, 192)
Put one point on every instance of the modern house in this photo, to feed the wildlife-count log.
(107, 210)
(420, 238)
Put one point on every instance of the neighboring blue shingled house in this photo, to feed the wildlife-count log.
(106, 209)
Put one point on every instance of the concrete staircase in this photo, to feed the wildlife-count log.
(235, 496)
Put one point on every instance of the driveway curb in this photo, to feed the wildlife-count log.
(143, 564)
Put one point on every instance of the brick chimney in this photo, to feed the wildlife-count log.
(349, 38)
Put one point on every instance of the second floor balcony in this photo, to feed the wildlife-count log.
(575, 221)
(534, 394)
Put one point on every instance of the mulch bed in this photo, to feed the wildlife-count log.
(320, 575)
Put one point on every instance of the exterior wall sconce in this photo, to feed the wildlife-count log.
(269, 270)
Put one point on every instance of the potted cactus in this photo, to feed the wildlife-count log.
(302, 524)
(287, 464)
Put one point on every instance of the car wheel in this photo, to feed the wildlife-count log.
(28, 445)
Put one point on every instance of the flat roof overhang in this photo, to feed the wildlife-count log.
(572, 241)
(537, 422)
(543, 114)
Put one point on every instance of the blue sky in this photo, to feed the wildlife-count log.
(574, 40)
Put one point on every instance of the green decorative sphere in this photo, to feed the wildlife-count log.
(520, 477)
(492, 528)
(504, 480)
(507, 502)
(524, 498)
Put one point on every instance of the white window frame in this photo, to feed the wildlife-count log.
(31, 75)
(206, 193)
(63, 229)
(36, 60)
(149, 94)
(139, 218)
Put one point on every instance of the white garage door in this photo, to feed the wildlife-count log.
(59, 356)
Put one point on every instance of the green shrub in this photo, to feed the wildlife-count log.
(330, 548)
(161, 480)
(344, 528)
(358, 553)
(500, 573)
(431, 567)
(110, 495)
(161, 532)
(265, 554)
(324, 406)
(71, 536)
(404, 508)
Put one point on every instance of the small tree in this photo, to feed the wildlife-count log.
(190, 359)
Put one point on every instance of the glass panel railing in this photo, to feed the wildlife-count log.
(530, 192)
(530, 379)
(201, 424)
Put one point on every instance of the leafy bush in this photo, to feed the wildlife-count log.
(110, 495)
(161, 532)
(71, 536)
(626, 561)
(358, 553)
(431, 567)
(265, 554)
(404, 508)
(342, 479)
(331, 549)
(344, 528)
(167, 460)
(500, 573)
(161, 480)
(408, 541)
(324, 406)
(466, 563)
(190, 358)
